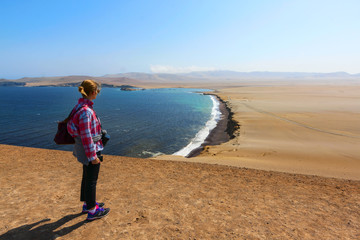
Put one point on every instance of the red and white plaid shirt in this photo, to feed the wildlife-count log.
(86, 125)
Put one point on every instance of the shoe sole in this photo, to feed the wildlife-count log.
(94, 218)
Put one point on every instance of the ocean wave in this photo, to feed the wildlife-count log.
(204, 132)
(152, 154)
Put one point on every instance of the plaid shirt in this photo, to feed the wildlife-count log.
(85, 124)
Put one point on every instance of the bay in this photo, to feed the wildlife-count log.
(141, 123)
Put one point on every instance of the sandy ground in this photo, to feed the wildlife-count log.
(153, 199)
(308, 129)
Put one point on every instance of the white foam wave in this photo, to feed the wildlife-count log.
(152, 153)
(205, 131)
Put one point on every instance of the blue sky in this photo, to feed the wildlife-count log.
(75, 37)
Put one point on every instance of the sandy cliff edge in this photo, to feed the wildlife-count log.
(153, 199)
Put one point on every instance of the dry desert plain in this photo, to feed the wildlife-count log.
(291, 172)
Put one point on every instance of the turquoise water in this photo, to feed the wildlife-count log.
(141, 123)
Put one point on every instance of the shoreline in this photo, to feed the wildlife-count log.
(223, 131)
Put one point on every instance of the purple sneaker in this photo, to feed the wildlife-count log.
(85, 210)
(99, 213)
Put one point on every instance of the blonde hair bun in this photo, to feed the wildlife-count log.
(82, 91)
(87, 87)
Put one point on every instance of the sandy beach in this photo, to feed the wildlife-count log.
(307, 129)
(291, 172)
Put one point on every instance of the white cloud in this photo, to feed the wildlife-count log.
(172, 69)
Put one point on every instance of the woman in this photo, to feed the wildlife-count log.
(85, 127)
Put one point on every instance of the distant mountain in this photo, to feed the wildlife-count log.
(233, 74)
(154, 77)
(60, 79)
(134, 75)
(139, 79)
(228, 75)
(67, 81)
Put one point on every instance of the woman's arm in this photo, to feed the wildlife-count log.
(85, 127)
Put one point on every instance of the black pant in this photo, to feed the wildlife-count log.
(88, 184)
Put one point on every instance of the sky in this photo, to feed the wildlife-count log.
(90, 37)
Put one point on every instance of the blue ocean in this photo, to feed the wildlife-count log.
(142, 123)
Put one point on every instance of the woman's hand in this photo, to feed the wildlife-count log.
(96, 161)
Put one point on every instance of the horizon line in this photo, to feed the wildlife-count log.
(184, 73)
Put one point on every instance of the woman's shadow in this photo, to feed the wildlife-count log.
(46, 231)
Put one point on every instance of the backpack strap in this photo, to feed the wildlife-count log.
(72, 113)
